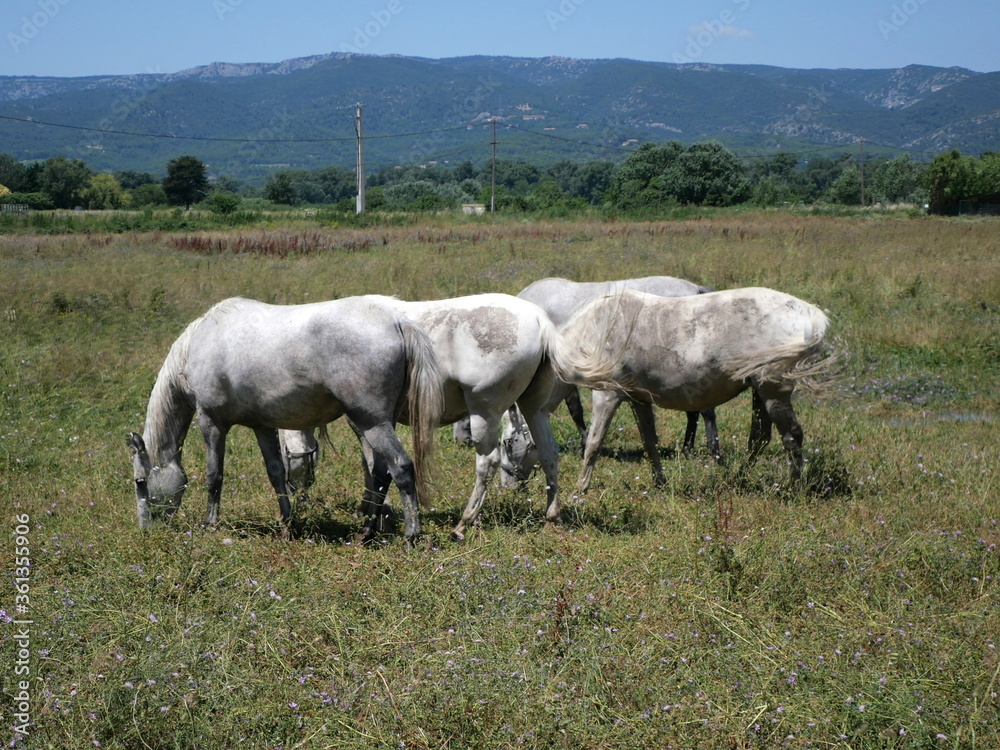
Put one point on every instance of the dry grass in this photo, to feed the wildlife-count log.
(721, 611)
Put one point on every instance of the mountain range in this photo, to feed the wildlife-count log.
(247, 119)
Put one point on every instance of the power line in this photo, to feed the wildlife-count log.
(170, 136)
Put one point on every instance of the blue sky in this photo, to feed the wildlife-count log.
(94, 37)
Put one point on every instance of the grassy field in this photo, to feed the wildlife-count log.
(722, 611)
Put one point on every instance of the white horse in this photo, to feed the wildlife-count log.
(561, 298)
(293, 367)
(494, 351)
(695, 353)
(299, 454)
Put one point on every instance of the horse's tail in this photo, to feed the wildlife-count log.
(425, 402)
(589, 348)
(808, 363)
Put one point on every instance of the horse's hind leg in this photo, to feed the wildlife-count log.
(606, 403)
(575, 407)
(777, 401)
(377, 481)
(645, 419)
(389, 457)
(270, 449)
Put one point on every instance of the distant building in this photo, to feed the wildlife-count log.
(474, 209)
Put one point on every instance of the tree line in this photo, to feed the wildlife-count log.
(653, 177)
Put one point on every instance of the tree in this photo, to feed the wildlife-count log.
(279, 188)
(592, 181)
(846, 189)
(65, 181)
(897, 180)
(635, 183)
(403, 195)
(706, 174)
(186, 182)
(11, 172)
(985, 181)
(337, 183)
(130, 179)
(104, 192)
(947, 181)
(148, 195)
(224, 203)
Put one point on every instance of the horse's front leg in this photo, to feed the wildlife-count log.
(777, 402)
(484, 436)
(215, 449)
(712, 434)
(690, 432)
(760, 427)
(645, 420)
(270, 449)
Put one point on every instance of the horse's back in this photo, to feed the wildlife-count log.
(561, 298)
(679, 348)
(488, 346)
(250, 360)
(746, 317)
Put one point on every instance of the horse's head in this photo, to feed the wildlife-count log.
(518, 454)
(299, 451)
(158, 489)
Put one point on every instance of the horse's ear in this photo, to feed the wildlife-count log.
(136, 443)
(140, 457)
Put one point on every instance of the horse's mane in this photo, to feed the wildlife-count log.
(161, 416)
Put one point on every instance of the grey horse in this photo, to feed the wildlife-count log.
(272, 367)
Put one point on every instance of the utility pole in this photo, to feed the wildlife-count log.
(361, 162)
(862, 171)
(493, 182)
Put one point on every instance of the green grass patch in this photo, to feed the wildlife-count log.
(722, 610)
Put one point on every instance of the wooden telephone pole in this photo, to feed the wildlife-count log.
(493, 182)
(361, 162)
(862, 171)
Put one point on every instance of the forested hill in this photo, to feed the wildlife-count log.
(247, 119)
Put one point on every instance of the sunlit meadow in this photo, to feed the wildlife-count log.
(721, 611)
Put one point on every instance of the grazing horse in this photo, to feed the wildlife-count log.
(494, 351)
(561, 298)
(297, 367)
(299, 454)
(695, 353)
